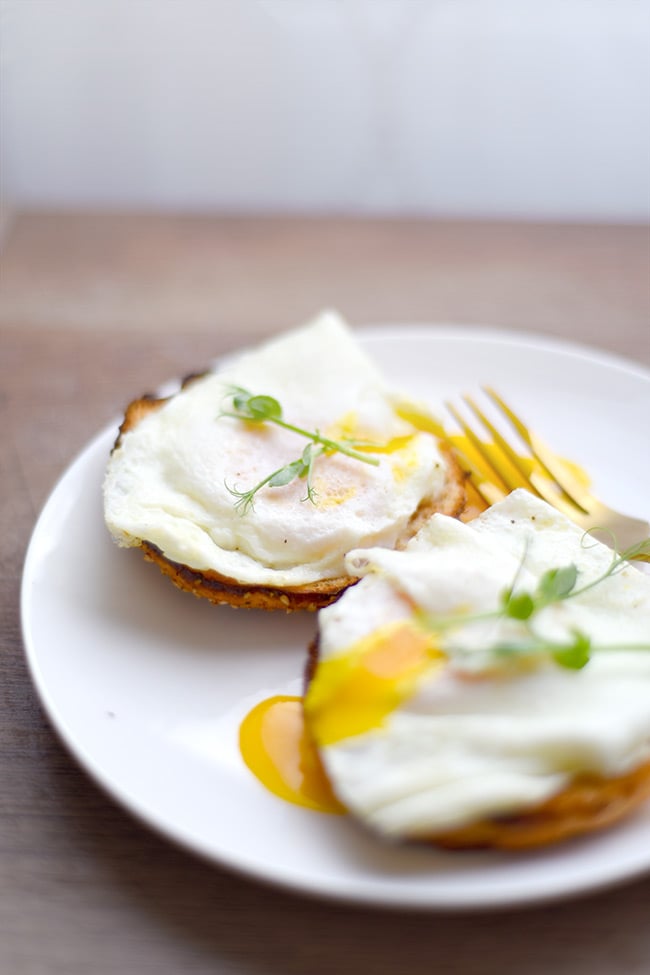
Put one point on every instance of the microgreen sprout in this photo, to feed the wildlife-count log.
(555, 586)
(266, 409)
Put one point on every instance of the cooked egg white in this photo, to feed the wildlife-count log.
(167, 482)
(421, 734)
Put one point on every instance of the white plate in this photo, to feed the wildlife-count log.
(147, 685)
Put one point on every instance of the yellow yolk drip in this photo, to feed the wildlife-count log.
(277, 748)
(347, 428)
(349, 695)
(355, 692)
(344, 428)
(420, 418)
(390, 447)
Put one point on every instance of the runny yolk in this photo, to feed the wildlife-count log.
(349, 695)
(277, 748)
(347, 428)
(355, 692)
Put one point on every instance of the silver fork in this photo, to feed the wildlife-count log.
(540, 472)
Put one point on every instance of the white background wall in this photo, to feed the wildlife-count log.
(463, 107)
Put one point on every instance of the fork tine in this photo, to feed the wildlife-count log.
(496, 475)
(500, 441)
(488, 492)
(495, 468)
(550, 491)
(573, 492)
(536, 483)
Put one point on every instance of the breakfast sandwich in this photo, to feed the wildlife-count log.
(489, 685)
(251, 484)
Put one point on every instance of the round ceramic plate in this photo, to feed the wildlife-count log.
(147, 686)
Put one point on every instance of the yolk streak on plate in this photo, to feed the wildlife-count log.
(349, 695)
(278, 750)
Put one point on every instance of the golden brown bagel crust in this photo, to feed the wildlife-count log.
(589, 803)
(208, 584)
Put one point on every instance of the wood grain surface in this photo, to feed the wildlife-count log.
(96, 309)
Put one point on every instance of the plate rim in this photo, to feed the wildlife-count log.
(530, 340)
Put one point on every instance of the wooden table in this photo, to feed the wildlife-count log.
(96, 309)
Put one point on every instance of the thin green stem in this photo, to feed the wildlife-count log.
(315, 436)
(329, 444)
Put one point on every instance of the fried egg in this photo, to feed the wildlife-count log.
(425, 728)
(171, 478)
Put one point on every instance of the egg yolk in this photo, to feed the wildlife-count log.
(347, 428)
(355, 692)
(279, 751)
(349, 695)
